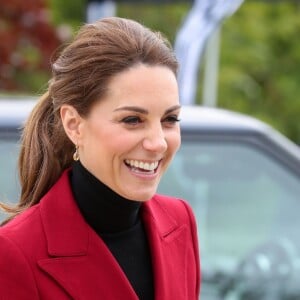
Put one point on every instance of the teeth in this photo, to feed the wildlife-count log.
(142, 165)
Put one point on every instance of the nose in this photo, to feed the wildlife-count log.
(155, 141)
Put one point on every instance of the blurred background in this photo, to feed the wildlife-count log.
(258, 57)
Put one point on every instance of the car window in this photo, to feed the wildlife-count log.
(9, 187)
(243, 200)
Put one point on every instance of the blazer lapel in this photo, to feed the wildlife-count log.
(79, 261)
(167, 241)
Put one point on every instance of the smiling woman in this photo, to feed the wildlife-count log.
(128, 140)
(93, 152)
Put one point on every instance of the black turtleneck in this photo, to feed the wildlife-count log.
(117, 221)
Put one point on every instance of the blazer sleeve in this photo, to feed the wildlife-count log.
(16, 277)
(194, 235)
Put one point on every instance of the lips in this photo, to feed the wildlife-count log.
(142, 166)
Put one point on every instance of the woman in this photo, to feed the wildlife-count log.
(88, 224)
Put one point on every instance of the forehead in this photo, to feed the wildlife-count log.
(144, 81)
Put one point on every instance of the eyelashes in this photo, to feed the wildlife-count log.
(131, 120)
(172, 119)
(135, 120)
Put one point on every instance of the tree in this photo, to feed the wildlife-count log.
(27, 42)
(260, 59)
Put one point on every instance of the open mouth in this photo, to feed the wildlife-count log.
(142, 167)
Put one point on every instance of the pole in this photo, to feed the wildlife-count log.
(211, 69)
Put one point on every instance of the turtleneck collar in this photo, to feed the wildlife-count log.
(104, 210)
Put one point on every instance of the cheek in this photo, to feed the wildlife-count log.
(113, 142)
(174, 141)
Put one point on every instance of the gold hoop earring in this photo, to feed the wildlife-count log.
(76, 154)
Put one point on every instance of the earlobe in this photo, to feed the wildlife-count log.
(71, 121)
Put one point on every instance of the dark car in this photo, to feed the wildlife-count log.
(242, 179)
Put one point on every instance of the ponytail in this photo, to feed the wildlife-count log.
(45, 152)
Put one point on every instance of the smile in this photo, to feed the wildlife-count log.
(137, 165)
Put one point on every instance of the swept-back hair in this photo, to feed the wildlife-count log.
(81, 74)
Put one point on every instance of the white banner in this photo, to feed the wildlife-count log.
(201, 22)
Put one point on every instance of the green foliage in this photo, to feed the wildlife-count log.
(166, 18)
(68, 11)
(260, 59)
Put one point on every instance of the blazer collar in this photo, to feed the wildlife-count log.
(67, 232)
(163, 221)
(81, 262)
(167, 239)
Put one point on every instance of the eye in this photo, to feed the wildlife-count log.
(171, 120)
(131, 120)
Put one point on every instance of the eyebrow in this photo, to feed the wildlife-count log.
(144, 111)
(173, 108)
(133, 108)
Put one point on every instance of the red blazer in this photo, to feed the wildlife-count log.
(50, 252)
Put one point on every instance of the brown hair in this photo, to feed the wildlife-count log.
(80, 76)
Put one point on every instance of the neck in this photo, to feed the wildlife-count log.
(102, 208)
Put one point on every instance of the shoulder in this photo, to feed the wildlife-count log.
(14, 261)
(28, 225)
(24, 230)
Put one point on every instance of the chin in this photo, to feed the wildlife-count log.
(141, 197)
(138, 191)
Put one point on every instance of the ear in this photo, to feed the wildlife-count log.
(72, 122)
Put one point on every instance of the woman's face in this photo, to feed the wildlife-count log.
(129, 137)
